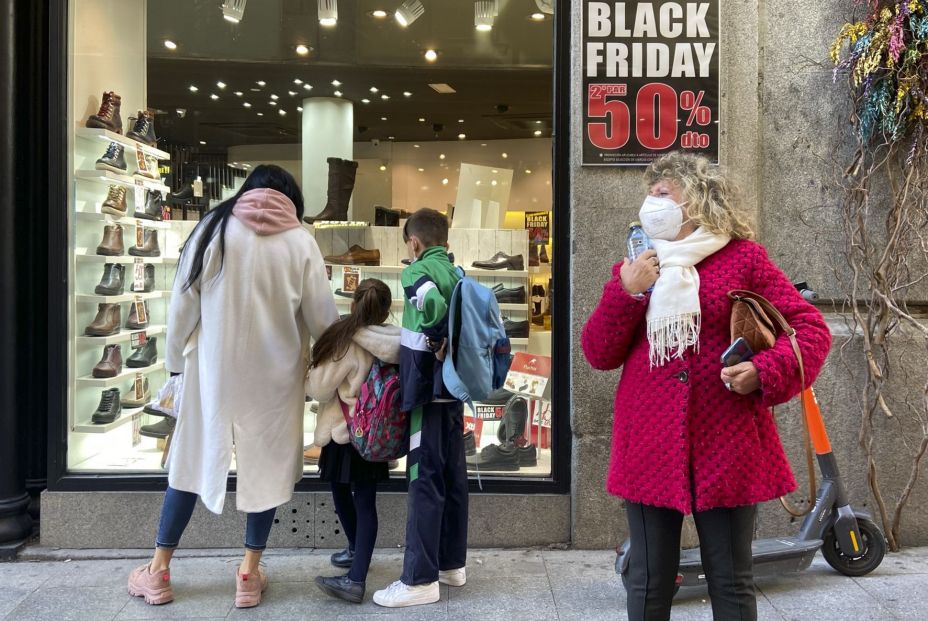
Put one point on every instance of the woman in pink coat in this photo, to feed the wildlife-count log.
(688, 434)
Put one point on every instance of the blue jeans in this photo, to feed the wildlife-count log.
(176, 512)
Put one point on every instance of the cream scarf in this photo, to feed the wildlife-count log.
(674, 315)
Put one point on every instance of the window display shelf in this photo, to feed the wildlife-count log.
(85, 255)
(106, 135)
(108, 176)
(122, 337)
(124, 417)
(127, 297)
(127, 220)
(544, 268)
(522, 342)
(110, 382)
(472, 272)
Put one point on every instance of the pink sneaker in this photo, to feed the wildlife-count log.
(154, 587)
(248, 588)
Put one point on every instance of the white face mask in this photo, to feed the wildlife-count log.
(661, 218)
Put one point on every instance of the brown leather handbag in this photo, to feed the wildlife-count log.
(756, 320)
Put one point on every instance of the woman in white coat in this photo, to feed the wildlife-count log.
(250, 289)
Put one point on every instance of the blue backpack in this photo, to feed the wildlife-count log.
(479, 352)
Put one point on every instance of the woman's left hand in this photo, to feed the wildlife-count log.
(741, 378)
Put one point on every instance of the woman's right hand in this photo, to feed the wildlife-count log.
(639, 275)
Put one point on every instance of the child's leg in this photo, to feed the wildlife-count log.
(426, 491)
(365, 504)
(452, 548)
(344, 508)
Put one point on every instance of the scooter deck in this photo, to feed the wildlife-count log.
(771, 556)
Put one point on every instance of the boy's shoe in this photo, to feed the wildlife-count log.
(154, 587)
(399, 595)
(342, 587)
(342, 559)
(249, 587)
(453, 577)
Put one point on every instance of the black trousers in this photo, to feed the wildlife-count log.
(725, 546)
(436, 522)
(356, 506)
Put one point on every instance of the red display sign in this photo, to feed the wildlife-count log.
(651, 80)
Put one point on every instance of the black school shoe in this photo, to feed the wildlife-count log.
(342, 559)
(500, 457)
(470, 444)
(342, 587)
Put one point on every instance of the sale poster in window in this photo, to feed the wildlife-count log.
(650, 81)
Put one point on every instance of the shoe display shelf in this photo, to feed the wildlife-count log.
(124, 417)
(107, 177)
(103, 137)
(103, 218)
(126, 297)
(124, 336)
(467, 245)
(121, 380)
(86, 255)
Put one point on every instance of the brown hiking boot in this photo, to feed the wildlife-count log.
(107, 321)
(154, 587)
(109, 115)
(112, 244)
(115, 203)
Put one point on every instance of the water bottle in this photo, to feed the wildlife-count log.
(638, 241)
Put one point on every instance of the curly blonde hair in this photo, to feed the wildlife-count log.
(711, 198)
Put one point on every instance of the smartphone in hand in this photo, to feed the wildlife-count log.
(737, 352)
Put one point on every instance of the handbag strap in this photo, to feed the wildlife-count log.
(777, 316)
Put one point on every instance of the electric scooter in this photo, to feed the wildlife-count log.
(849, 539)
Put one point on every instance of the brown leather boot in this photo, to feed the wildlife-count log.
(148, 249)
(109, 117)
(112, 244)
(107, 321)
(356, 255)
(133, 323)
(110, 364)
(115, 203)
(341, 183)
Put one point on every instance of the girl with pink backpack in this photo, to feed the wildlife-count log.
(342, 362)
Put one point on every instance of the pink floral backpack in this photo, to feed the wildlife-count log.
(379, 429)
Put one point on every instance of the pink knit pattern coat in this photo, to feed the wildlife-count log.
(680, 439)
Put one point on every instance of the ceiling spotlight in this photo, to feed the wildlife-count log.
(527, 171)
(431, 55)
(274, 97)
(328, 13)
(214, 96)
(422, 119)
(170, 44)
(282, 112)
(383, 167)
(337, 93)
(261, 83)
(297, 81)
(444, 181)
(233, 10)
(483, 15)
(421, 169)
(383, 118)
(441, 156)
(181, 112)
(272, 102)
(537, 132)
(494, 171)
(260, 114)
(385, 97)
(407, 94)
(202, 142)
(246, 104)
(239, 93)
(193, 88)
(537, 17)
(493, 183)
(299, 108)
(415, 146)
(408, 12)
(505, 155)
(291, 93)
(308, 87)
(365, 101)
(375, 90)
(379, 13)
(302, 50)
(336, 83)
(462, 136)
(460, 120)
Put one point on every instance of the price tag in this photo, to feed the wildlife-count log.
(139, 194)
(351, 277)
(139, 385)
(138, 275)
(139, 235)
(137, 339)
(140, 309)
(141, 161)
(137, 428)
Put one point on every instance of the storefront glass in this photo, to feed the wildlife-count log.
(452, 111)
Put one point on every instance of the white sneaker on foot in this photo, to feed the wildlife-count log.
(399, 595)
(453, 577)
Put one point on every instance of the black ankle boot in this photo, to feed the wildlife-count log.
(342, 587)
(342, 559)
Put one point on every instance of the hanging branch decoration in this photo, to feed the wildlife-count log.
(884, 58)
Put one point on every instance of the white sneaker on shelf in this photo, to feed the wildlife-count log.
(399, 595)
(453, 577)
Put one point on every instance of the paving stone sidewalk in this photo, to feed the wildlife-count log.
(562, 585)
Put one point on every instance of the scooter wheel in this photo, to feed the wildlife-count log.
(874, 549)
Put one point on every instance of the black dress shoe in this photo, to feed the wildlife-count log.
(470, 444)
(516, 329)
(344, 294)
(144, 356)
(501, 457)
(501, 261)
(342, 587)
(528, 455)
(516, 295)
(342, 559)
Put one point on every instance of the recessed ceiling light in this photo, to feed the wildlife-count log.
(460, 120)
(537, 132)
(308, 87)
(444, 181)
(261, 83)
(282, 112)
(221, 84)
(274, 97)
(299, 108)
(494, 171)
(336, 83)
(431, 55)
(444, 89)
(366, 101)
(239, 93)
(484, 27)
(383, 118)
(337, 93)
(302, 50)
(385, 97)
(214, 96)
(441, 156)
(193, 88)
(246, 104)
(170, 44)
(202, 142)
(327, 12)
(483, 144)
(255, 90)
(407, 94)
(391, 137)
(537, 122)
(374, 89)
(493, 183)
(422, 119)
(415, 146)
(421, 169)
(537, 17)
(273, 103)
(328, 22)
(291, 93)
(260, 114)
(478, 181)
(297, 81)
(462, 136)
(383, 167)
(527, 171)
(505, 155)
(378, 13)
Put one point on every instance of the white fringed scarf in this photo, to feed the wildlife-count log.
(674, 315)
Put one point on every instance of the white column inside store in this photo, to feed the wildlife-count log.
(328, 130)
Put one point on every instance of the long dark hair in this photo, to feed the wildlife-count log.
(371, 307)
(263, 176)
